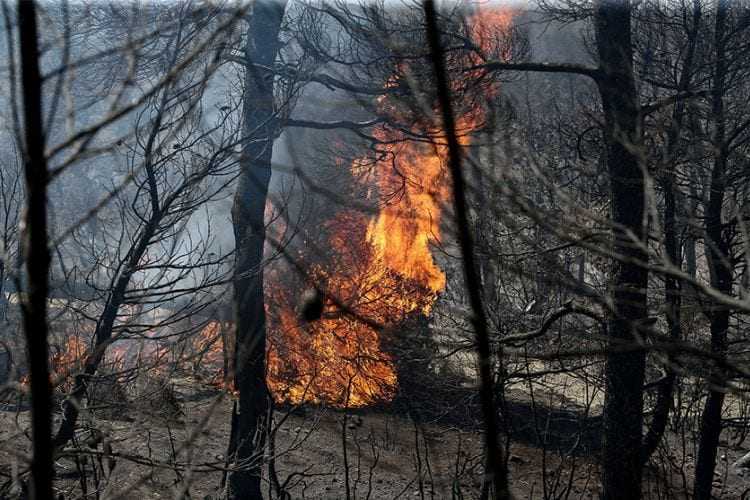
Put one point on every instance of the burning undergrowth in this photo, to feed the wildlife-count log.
(338, 359)
(135, 372)
(374, 270)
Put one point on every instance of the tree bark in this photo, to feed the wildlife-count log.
(720, 270)
(259, 130)
(672, 286)
(625, 361)
(496, 465)
(36, 255)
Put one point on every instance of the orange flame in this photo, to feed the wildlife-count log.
(208, 345)
(71, 357)
(383, 270)
(209, 352)
(402, 232)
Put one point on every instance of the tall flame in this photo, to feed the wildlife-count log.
(402, 232)
(384, 270)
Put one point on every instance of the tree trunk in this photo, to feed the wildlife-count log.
(36, 255)
(259, 130)
(119, 286)
(720, 270)
(103, 338)
(495, 455)
(672, 286)
(625, 360)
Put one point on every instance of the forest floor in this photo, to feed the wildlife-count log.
(387, 456)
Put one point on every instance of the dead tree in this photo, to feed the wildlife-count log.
(625, 358)
(672, 197)
(259, 129)
(170, 172)
(36, 253)
(496, 462)
(718, 243)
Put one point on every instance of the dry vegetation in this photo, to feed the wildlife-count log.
(326, 249)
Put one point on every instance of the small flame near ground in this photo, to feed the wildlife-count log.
(69, 359)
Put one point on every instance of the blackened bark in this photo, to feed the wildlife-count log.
(117, 293)
(103, 334)
(259, 129)
(720, 269)
(625, 362)
(226, 349)
(495, 459)
(672, 286)
(36, 253)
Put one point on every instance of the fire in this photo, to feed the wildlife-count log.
(489, 29)
(337, 360)
(71, 357)
(382, 271)
(402, 232)
(67, 361)
(209, 345)
(209, 354)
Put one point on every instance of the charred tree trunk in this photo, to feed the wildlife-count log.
(259, 130)
(225, 317)
(119, 286)
(672, 286)
(625, 360)
(102, 335)
(719, 264)
(495, 460)
(36, 255)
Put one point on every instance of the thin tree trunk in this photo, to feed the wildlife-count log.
(625, 361)
(259, 129)
(720, 270)
(116, 297)
(672, 286)
(495, 459)
(103, 337)
(37, 255)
